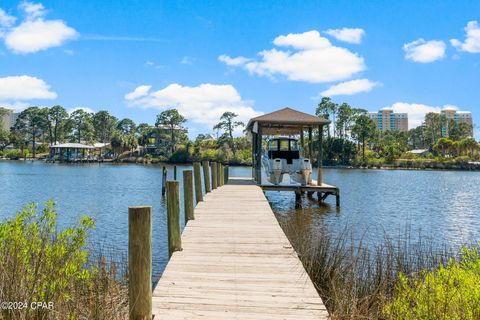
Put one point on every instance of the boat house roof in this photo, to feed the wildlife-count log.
(71, 145)
(286, 120)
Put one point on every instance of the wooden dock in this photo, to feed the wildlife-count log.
(236, 263)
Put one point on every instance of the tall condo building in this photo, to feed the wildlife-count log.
(8, 118)
(458, 117)
(387, 120)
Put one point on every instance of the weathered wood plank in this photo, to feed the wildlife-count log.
(236, 263)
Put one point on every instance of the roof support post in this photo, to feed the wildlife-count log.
(258, 161)
(302, 141)
(254, 155)
(310, 154)
(320, 155)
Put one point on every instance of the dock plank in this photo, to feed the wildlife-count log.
(236, 263)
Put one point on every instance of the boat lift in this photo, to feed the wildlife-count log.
(289, 122)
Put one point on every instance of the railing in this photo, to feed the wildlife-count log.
(140, 229)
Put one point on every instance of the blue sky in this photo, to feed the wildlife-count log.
(136, 58)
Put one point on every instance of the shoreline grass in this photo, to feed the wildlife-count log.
(360, 281)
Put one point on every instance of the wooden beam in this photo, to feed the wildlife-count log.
(258, 164)
(320, 155)
(302, 141)
(173, 217)
(140, 262)
(254, 155)
(214, 174)
(188, 193)
(198, 182)
(206, 175)
(310, 154)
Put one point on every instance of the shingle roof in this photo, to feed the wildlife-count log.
(288, 117)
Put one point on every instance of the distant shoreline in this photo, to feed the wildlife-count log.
(407, 165)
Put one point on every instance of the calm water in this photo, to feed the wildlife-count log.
(442, 204)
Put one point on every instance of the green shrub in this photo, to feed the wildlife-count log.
(180, 156)
(13, 154)
(450, 292)
(39, 263)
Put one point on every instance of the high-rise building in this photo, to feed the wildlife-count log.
(387, 120)
(7, 119)
(457, 116)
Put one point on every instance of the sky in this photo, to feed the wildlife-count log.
(137, 58)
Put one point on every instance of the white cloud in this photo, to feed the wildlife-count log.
(233, 62)
(424, 51)
(350, 87)
(187, 60)
(350, 35)
(416, 112)
(139, 91)
(36, 33)
(313, 59)
(472, 40)
(6, 20)
(34, 36)
(33, 10)
(21, 88)
(17, 106)
(203, 104)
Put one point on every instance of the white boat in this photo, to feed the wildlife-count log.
(284, 156)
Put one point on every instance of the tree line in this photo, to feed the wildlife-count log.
(351, 139)
(38, 128)
(354, 138)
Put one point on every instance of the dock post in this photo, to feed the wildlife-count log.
(214, 175)
(174, 172)
(206, 175)
(198, 182)
(164, 180)
(140, 262)
(337, 198)
(222, 174)
(173, 217)
(320, 156)
(298, 199)
(219, 172)
(225, 174)
(188, 195)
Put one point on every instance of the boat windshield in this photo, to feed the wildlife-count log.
(273, 145)
(283, 145)
(293, 145)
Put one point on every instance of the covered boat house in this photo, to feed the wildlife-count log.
(70, 151)
(290, 122)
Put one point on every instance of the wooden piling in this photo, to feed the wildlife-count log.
(214, 175)
(226, 174)
(198, 182)
(173, 217)
(206, 176)
(140, 262)
(174, 172)
(219, 170)
(164, 180)
(188, 195)
(337, 198)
